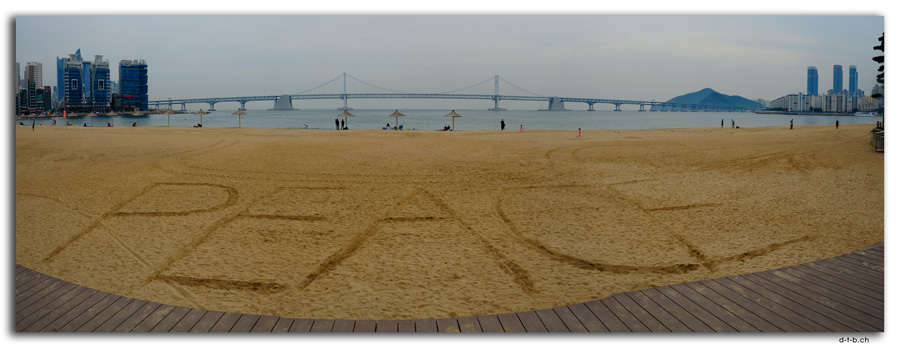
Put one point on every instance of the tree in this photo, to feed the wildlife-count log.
(880, 60)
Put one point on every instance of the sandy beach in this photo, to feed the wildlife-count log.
(373, 224)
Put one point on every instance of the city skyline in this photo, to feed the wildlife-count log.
(616, 57)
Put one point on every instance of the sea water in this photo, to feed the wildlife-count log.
(417, 119)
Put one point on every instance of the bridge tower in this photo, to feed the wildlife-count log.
(496, 95)
(344, 96)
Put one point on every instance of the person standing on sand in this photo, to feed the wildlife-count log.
(337, 124)
(792, 123)
(32, 125)
(723, 123)
(342, 124)
(521, 128)
(579, 132)
(837, 123)
(732, 123)
(502, 124)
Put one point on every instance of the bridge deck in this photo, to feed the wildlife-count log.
(840, 294)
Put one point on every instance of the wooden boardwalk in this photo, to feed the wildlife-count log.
(840, 294)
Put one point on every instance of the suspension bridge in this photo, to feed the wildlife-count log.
(328, 90)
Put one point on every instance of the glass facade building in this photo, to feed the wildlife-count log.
(812, 81)
(838, 79)
(133, 84)
(853, 80)
(100, 89)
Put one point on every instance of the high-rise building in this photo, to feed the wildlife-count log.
(73, 85)
(133, 84)
(99, 86)
(61, 83)
(838, 80)
(812, 80)
(33, 73)
(854, 81)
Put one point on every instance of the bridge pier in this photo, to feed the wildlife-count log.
(283, 103)
(556, 104)
(642, 107)
(183, 106)
(590, 107)
(212, 106)
(618, 107)
(243, 104)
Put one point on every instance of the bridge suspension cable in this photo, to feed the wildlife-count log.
(472, 86)
(520, 88)
(373, 86)
(330, 81)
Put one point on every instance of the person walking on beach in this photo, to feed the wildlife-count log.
(342, 124)
(521, 128)
(579, 132)
(337, 124)
(502, 124)
(32, 125)
(792, 123)
(732, 123)
(837, 123)
(723, 123)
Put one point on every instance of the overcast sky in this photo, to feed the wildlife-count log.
(642, 57)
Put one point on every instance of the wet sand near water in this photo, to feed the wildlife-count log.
(373, 224)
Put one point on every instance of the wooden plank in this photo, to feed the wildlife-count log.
(245, 323)
(847, 277)
(511, 322)
(469, 324)
(265, 323)
(385, 326)
(28, 280)
(490, 323)
(207, 321)
(825, 324)
(64, 314)
(587, 318)
(624, 315)
(572, 323)
(406, 326)
(551, 321)
(531, 321)
(154, 318)
(119, 305)
(84, 315)
(722, 309)
(447, 325)
(128, 317)
(661, 315)
(301, 325)
(851, 294)
(696, 310)
(42, 297)
(191, 318)
(171, 319)
(862, 293)
(53, 309)
(364, 326)
(684, 316)
(322, 325)
(225, 322)
(283, 325)
(866, 257)
(857, 320)
(606, 316)
(780, 323)
(639, 312)
(867, 274)
(343, 325)
(426, 325)
(788, 310)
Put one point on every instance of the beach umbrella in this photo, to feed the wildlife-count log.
(346, 114)
(169, 114)
(91, 115)
(239, 112)
(453, 115)
(396, 116)
(112, 118)
(201, 113)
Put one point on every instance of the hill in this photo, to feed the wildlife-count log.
(708, 96)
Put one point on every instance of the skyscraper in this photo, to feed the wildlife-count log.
(838, 79)
(99, 85)
(61, 82)
(812, 80)
(73, 86)
(854, 81)
(33, 73)
(133, 84)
